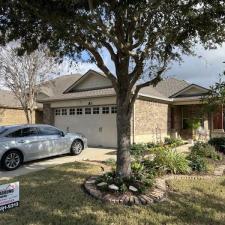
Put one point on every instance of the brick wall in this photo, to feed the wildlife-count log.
(12, 116)
(16, 116)
(151, 121)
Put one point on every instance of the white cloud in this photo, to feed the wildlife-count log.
(202, 69)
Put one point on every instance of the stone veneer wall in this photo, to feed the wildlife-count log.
(151, 121)
(48, 114)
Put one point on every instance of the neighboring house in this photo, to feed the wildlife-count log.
(11, 111)
(88, 105)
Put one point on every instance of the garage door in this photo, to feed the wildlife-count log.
(97, 123)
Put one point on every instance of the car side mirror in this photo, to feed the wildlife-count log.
(62, 134)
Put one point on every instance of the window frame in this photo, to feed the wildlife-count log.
(64, 114)
(87, 112)
(72, 111)
(79, 111)
(104, 111)
(96, 110)
(57, 112)
(114, 110)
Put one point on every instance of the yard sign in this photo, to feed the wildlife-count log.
(9, 196)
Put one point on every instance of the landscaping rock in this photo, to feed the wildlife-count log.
(126, 200)
(133, 189)
(147, 199)
(113, 187)
(142, 200)
(131, 200)
(136, 200)
(102, 184)
(107, 198)
(92, 181)
(122, 198)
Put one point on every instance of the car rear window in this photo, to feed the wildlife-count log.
(25, 132)
(3, 130)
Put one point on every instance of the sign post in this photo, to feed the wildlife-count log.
(9, 196)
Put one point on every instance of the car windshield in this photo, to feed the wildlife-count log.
(3, 130)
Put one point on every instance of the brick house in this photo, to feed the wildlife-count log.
(88, 105)
(11, 112)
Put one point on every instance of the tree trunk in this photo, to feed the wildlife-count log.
(28, 114)
(123, 168)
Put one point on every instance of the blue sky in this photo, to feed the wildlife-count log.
(202, 69)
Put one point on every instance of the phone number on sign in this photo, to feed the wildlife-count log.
(9, 206)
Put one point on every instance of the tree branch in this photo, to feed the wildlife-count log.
(100, 63)
(146, 84)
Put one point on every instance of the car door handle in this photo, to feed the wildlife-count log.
(21, 141)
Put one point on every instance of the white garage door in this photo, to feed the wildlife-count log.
(97, 123)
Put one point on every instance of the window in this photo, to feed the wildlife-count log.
(105, 110)
(64, 112)
(79, 111)
(46, 131)
(25, 132)
(114, 109)
(3, 130)
(57, 112)
(96, 110)
(87, 110)
(72, 111)
(192, 116)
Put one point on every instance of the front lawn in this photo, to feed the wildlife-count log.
(54, 196)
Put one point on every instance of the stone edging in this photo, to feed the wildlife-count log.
(158, 193)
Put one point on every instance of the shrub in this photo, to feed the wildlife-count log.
(153, 145)
(138, 150)
(168, 161)
(197, 163)
(205, 150)
(140, 179)
(174, 142)
(218, 143)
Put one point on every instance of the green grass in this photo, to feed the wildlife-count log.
(55, 196)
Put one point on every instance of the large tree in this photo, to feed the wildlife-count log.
(141, 38)
(23, 75)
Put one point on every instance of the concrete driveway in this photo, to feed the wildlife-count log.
(89, 154)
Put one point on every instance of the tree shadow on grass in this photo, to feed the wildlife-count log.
(55, 196)
(196, 207)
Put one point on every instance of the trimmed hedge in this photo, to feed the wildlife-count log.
(218, 143)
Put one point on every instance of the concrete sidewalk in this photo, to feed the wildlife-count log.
(92, 154)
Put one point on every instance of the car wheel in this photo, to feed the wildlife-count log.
(12, 160)
(77, 147)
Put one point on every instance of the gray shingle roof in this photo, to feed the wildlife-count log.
(163, 90)
(58, 85)
(50, 88)
(8, 99)
(54, 90)
(170, 86)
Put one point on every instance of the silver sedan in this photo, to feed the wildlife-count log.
(24, 143)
